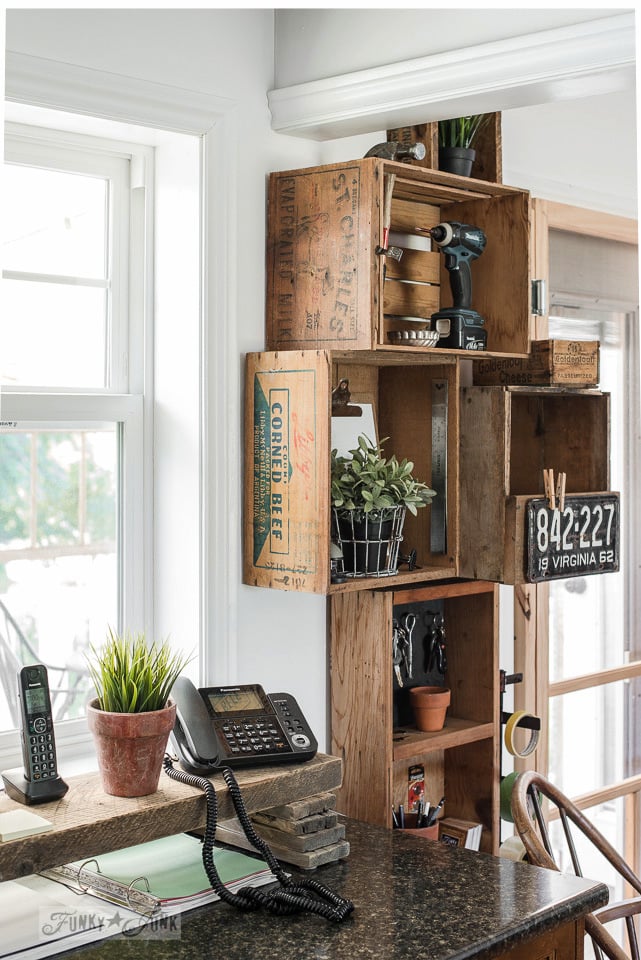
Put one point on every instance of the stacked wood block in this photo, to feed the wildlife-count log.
(305, 833)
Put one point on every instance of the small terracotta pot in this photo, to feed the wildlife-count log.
(130, 748)
(429, 705)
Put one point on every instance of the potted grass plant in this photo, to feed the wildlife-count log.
(132, 715)
(456, 137)
(370, 495)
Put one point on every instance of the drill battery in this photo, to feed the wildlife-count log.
(460, 331)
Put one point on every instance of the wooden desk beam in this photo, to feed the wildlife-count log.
(88, 822)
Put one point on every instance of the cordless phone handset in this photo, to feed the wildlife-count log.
(40, 781)
(37, 736)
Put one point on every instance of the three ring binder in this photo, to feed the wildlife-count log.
(160, 877)
(96, 883)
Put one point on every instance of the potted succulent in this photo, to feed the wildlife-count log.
(370, 495)
(132, 715)
(455, 138)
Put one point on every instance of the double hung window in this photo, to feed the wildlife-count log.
(71, 406)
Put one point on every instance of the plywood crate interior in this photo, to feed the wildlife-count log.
(288, 441)
(328, 287)
(509, 435)
(460, 761)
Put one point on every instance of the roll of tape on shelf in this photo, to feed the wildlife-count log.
(505, 796)
(512, 723)
(512, 849)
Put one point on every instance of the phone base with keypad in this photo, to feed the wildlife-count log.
(238, 726)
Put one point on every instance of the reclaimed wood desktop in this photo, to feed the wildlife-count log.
(88, 822)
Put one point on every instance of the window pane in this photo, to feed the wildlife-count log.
(53, 335)
(588, 731)
(54, 222)
(58, 558)
(586, 625)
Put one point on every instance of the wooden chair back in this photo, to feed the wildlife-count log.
(532, 828)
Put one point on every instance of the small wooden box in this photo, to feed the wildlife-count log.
(509, 435)
(563, 363)
(328, 287)
(287, 460)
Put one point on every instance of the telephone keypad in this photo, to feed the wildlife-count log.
(258, 737)
(42, 751)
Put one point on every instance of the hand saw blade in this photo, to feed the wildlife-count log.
(438, 526)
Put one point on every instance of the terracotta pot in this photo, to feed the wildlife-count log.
(429, 705)
(130, 748)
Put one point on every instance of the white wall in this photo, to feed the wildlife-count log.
(281, 637)
(316, 44)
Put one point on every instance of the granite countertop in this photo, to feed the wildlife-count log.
(414, 898)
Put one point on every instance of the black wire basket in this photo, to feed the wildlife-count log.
(368, 543)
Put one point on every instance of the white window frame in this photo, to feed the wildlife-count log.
(51, 93)
(121, 401)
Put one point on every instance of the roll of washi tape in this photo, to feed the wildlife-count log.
(505, 796)
(512, 723)
(513, 849)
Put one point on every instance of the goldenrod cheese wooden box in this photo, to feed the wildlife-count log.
(563, 363)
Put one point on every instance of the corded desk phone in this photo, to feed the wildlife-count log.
(219, 728)
(237, 726)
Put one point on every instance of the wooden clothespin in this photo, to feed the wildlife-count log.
(560, 490)
(548, 487)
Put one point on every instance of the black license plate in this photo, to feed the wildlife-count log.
(581, 539)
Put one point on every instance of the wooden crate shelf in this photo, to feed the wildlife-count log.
(287, 461)
(456, 732)
(461, 762)
(328, 288)
(508, 436)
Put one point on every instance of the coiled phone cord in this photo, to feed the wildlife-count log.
(293, 896)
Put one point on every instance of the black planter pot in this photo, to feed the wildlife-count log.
(456, 160)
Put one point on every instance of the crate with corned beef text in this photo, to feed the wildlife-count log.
(334, 277)
(563, 363)
(301, 404)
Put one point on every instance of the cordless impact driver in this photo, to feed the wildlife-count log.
(460, 326)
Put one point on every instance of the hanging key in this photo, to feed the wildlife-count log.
(397, 656)
(409, 622)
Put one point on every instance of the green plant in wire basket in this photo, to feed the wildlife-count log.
(133, 676)
(461, 131)
(367, 482)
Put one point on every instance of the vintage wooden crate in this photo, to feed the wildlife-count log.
(461, 761)
(488, 164)
(509, 435)
(288, 439)
(328, 286)
(564, 363)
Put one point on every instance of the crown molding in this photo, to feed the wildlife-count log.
(51, 83)
(564, 63)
